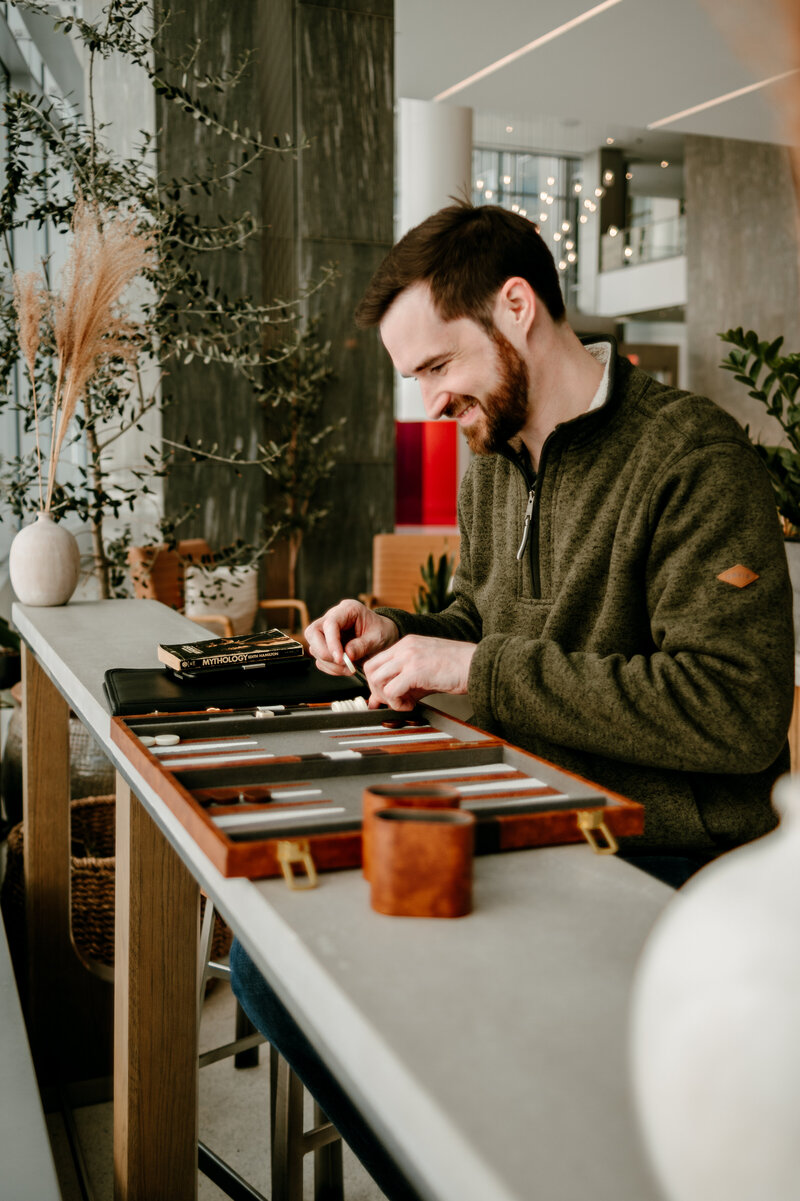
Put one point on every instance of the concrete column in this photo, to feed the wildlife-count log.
(434, 165)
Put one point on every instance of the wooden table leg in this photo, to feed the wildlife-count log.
(69, 1009)
(155, 1012)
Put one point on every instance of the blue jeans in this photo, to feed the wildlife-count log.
(273, 1020)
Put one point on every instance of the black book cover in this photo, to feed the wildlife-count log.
(143, 690)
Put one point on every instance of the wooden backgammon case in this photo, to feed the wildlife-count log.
(244, 782)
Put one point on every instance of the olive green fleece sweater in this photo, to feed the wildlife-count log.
(612, 648)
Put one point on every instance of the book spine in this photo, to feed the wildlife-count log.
(238, 658)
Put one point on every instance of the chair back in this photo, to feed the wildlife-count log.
(397, 562)
(157, 571)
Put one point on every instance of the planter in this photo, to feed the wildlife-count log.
(44, 563)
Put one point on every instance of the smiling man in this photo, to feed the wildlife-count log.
(622, 604)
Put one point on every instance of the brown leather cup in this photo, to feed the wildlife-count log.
(421, 862)
(402, 796)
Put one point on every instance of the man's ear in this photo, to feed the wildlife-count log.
(515, 309)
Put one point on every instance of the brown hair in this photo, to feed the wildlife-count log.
(465, 254)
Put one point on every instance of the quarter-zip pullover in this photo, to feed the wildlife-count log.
(612, 639)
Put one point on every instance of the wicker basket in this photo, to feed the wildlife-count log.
(92, 869)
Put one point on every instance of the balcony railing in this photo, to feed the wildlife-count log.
(664, 239)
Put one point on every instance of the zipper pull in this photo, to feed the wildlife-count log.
(527, 529)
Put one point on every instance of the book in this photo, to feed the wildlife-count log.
(214, 654)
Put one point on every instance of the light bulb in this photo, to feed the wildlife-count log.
(550, 181)
(664, 163)
(506, 179)
(556, 237)
(612, 231)
(542, 216)
(509, 129)
(523, 212)
(583, 218)
(629, 175)
(562, 266)
(609, 141)
(608, 177)
(577, 188)
(571, 257)
(565, 225)
(570, 245)
(488, 193)
(549, 200)
(628, 251)
(599, 193)
(543, 195)
(479, 184)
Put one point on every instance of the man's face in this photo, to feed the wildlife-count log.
(479, 381)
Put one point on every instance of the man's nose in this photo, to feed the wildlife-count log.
(434, 399)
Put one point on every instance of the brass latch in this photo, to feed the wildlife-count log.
(289, 853)
(591, 820)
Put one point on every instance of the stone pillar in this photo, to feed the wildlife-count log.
(742, 260)
(434, 164)
(323, 72)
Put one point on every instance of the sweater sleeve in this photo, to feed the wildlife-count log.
(714, 693)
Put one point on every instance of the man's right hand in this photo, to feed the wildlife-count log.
(348, 627)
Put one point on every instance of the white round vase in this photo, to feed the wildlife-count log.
(715, 1039)
(44, 563)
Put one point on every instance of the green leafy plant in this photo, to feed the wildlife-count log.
(55, 156)
(437, 584)
(773, 379)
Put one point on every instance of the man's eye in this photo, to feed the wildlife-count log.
(439, 367)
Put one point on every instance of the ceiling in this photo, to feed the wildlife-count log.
(611, 76)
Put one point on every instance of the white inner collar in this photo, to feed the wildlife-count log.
(602, 352)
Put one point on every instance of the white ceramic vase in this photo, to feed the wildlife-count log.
(716, 1025)
(44, 563)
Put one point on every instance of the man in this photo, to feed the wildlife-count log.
(622, 606)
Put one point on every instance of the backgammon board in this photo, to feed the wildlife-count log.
(243, 782)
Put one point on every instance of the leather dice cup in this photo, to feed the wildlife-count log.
(421, 862)
(403, 796)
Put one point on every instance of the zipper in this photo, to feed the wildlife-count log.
(527, 527)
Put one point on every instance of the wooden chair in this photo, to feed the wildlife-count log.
(158, 573)
(397, 561)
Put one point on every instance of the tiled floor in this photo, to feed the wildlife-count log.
(234, 1122)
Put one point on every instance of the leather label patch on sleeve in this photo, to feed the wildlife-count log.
(739, 576)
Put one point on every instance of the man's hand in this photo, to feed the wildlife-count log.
(351, 627)
(415, 666)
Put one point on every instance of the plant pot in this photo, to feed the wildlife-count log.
(44, 563)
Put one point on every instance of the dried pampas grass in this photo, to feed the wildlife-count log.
(106, 254)
(30, 302)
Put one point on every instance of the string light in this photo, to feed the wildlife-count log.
(488, 193)
(628, 251)
(550, 181)
(629, 175)
(515, 208)
(549, 200)
(562, 266)
(583, 218)
(509, 129)
(571, 257)
(542, 216)
(609, 141)
(608, 177)
(566, 226)
(543, 195)
(577, 188)
(599, 193)
(556, 237)
(506, 179)
(612, 231)
(523, 212)
(664, 163)
(570, 245)
(479, 184)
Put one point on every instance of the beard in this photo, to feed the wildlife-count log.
(504, 411)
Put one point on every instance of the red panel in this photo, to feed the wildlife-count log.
(408, 473)
(439, 472)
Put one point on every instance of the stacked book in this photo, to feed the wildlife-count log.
(268, 648)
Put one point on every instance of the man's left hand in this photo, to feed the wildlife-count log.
(416, 666)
